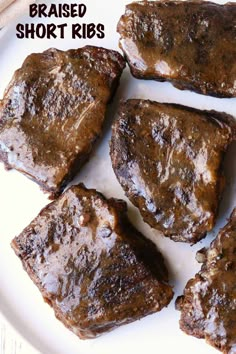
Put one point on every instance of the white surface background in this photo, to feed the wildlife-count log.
(21, 200)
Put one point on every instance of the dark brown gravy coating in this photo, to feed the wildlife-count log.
(168, 158)
(53, 111)
(190, 43)
(91, 265)
(208, 306)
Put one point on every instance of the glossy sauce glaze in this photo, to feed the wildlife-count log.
(190, 43)
(168, 158)
(91, 265)
(53, 111)
(208, 306)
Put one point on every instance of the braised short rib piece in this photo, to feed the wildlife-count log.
(190, 43)
(53, 111)
(168, 159)
(208, 306)
(91, 265)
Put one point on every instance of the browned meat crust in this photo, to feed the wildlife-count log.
(91, 265)
(53, 111)
(208, 306)
(168, 159)
(190, 43)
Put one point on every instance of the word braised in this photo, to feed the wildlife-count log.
(57, 10)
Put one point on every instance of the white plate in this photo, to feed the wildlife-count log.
(21, 200)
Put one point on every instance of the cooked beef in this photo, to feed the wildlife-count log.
(91, 265)
(208, 306)
(53, 110)
(168, 159)
(190, 43)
